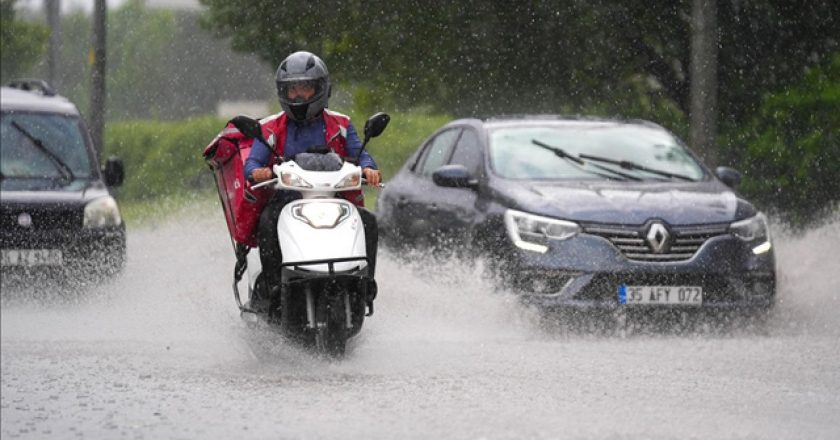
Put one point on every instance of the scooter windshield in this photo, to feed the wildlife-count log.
(319, 162)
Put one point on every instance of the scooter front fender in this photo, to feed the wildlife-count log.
(305, 238)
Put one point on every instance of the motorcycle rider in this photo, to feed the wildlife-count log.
(303, 88)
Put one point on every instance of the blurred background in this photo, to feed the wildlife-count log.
(162, 352)
(754, 85)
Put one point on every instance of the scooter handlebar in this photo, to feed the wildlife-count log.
(381, 185)
(277, 179)
(265, 183)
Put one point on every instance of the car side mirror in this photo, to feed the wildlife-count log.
(376, 124)
(113, 172)
(729, 176)
(453, 176)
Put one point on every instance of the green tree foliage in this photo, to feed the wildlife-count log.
(22, 44)
(161, 65)
(135, 38)
(792, 146)
(138, 37)
(767, 46)
(479, 56)
(624, 57)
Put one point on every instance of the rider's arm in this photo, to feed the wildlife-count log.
(257, 158)
(354, 144)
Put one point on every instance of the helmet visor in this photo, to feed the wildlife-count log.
(300, 92)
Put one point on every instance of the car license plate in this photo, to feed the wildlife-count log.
(32, 257)
(655, 295)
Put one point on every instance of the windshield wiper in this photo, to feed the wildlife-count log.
(628, 165)
(63, 168)
(559, 152)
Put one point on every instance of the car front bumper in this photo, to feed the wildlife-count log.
(587, 271)
(84, 253)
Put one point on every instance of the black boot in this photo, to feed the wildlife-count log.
(259, 295)
(371, 245)
(241, 260)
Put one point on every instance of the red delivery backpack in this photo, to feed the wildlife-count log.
(226, 156)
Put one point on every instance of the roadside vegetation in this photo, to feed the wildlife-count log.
(789, 151)
(165, 168)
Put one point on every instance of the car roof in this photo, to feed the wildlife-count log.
(14, 99)
(492, 122)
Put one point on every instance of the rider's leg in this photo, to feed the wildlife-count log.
(371, 237)
(271, 255)
(371, 243)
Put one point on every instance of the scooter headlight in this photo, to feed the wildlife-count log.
(102, 213)
(292, 180)
(533, 232)
(753, 230)
(354, 180)
(321, 215)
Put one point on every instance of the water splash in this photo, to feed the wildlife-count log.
(175, 295)
(807, 276)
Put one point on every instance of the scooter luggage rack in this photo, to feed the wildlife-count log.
(329, 262)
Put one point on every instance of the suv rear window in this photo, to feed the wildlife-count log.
(64, 153)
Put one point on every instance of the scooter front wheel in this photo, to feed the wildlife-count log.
(331, 326)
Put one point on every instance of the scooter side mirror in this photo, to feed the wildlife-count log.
(376, 124)
(248, 126)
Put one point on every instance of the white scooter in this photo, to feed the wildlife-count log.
(325, 281)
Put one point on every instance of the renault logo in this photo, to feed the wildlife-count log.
(657, 238)
(25, 220)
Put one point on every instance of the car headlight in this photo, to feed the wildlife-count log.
(293, 180)
(102, 213)
(753, 230)
(533, 232)
(353, 180)
(321, 215)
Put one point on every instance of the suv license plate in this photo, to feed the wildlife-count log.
(32, 257)
(656, 295)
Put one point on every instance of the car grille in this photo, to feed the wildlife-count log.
(55, 219)
(683, 243)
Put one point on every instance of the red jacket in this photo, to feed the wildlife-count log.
(242, 205)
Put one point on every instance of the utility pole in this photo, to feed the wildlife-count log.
(97, 91)
(53, 8)
(703, 108)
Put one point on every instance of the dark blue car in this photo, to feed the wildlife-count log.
(581, 212)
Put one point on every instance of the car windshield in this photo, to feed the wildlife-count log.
(62, 152)
(516, 154)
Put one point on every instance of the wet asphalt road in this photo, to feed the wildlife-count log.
(161, 353)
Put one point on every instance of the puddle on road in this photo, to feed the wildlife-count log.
(175, 295)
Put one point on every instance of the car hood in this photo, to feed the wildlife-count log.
(631, 202)
(78, 192)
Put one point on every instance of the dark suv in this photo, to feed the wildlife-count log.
(58, 216)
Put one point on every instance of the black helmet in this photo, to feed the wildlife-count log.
(303, 68)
